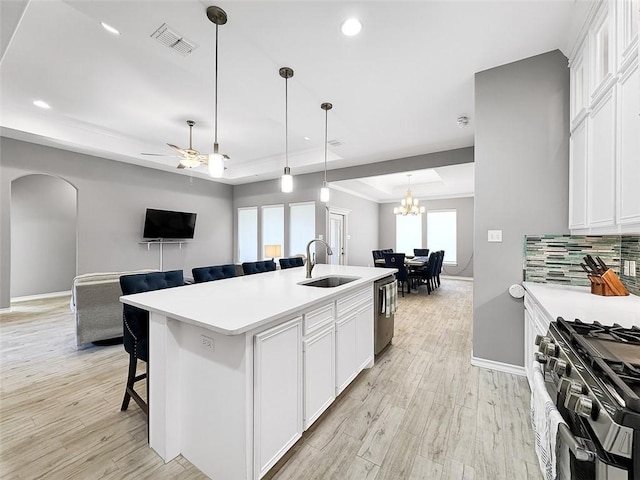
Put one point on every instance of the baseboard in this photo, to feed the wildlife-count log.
(498, 366)
(40, 296)
(454, 277)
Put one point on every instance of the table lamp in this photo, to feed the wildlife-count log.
(272, 251)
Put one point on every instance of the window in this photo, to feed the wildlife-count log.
(408, 233)
(247, 234)
(272, 228)
(302, 226)
(442, 233)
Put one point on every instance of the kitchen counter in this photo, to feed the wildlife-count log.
(239, 304)
(240, 367)
(572, 302)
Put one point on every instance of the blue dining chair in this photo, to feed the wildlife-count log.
(396, 260)
(136, 327)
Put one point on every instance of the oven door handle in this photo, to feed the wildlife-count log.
(582, 448)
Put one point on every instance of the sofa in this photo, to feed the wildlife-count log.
(95, 301)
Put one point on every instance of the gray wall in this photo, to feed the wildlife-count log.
(521, 187)
(362, 224)
(43, 226)
(464, 209)
(112, 198)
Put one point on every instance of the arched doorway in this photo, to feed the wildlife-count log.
(43, 235)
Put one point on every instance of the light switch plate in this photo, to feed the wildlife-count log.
(632, 268)
(494, 236)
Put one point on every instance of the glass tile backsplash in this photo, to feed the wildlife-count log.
(557, 258)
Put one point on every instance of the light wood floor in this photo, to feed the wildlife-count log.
(422, 412)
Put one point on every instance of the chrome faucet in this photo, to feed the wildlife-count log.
(312, 263)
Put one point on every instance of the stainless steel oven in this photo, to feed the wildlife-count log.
(593, 375)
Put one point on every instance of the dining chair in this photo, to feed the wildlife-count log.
(291, 262)
(440, 262)
(421, 252)
(251, 268)
(396, 260)
(429, 273)
(214, 272)
(136, 327)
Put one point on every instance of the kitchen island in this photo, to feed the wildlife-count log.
(239, 368)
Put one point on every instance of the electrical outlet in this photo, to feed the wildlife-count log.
(494, 236)
(206, 342)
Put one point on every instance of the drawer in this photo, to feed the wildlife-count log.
(317, 318)
(353, 301)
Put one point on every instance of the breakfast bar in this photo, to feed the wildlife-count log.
(239, 368)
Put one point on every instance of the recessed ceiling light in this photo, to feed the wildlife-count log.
(351, 27)
(109, 28)
(307, 138)
(41, 104)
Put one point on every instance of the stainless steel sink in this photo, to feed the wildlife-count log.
(329, 281)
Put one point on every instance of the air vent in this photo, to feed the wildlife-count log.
(335, 143)
(174, 40)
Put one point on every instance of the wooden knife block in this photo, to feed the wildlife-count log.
(608, 284)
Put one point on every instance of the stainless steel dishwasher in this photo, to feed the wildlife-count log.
(382, 325)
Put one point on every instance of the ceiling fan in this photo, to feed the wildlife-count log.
(189, 158)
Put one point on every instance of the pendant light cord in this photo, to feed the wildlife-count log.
(286, 122)
(215, 109)
(326, 127)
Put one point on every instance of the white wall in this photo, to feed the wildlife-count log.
(43, 231)
(112, 199)
(521, 187)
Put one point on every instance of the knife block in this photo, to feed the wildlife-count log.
(608, 284)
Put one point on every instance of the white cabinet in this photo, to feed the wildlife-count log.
(604, 197)
(628, 174)
(354, 336)
(601, 163)
(278, 392)
(364, 336)
(346, 369)
(578, 178)
(529, 345)
(319, 374)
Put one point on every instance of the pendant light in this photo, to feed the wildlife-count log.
(409, 205)
(286, 181)
(216, 159)
(324, 191)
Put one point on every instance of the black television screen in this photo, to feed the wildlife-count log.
(164, 224)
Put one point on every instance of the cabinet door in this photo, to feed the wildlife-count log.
(629, 148)
(601, 162)
(319, 374)
(529, 344)
(364, 337)
(277, 393)
(578, 178)
(346, 368)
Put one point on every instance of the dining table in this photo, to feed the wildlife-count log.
(411, 263)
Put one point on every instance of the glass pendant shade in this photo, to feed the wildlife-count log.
(216, 165)
(325, 194)
(286, 181)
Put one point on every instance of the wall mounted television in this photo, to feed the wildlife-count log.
(165, 225)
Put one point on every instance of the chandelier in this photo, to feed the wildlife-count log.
(409, 205)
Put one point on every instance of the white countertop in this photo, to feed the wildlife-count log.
(236, 305)
(571, 302)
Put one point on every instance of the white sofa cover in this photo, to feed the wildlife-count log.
(95, 302)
